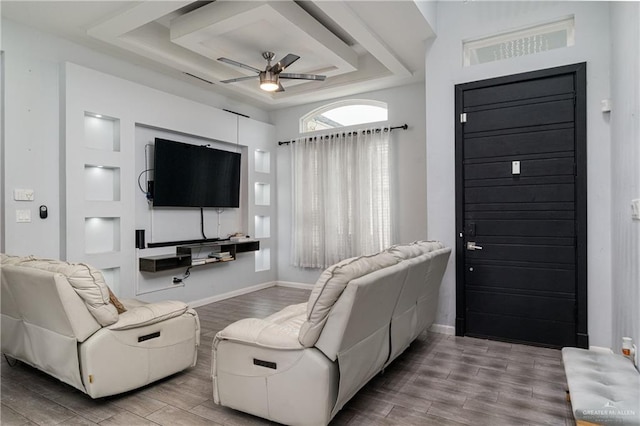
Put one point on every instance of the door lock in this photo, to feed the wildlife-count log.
(471, 245)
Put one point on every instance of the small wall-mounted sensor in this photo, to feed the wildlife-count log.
(44, 212)
(605, 105)
(515, 167)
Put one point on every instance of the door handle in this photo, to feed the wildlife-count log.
(471, 245)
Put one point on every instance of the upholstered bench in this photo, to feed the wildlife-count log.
(604, 388)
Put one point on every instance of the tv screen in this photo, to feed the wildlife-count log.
(188, 175)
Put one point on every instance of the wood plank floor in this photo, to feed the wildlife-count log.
(439, 380)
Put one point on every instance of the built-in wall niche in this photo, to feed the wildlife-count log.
(263, 226)
(263, 259)
(101, 183)
(101, 132)
(112, 278)
(262, 194)
(262, 161)
(101, 235)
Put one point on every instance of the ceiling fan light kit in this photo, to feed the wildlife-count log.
(270, 77)
(269, 81)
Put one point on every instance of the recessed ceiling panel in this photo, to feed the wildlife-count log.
(356, 44)
(243, 30)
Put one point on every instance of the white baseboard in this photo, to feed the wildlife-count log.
(601, 349)
(231, 294)
(291, 284)
(443, 329)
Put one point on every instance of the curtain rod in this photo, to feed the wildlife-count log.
(385, 129)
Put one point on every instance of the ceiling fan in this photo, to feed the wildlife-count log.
(270, 77)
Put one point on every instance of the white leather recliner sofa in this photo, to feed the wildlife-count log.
(301, 365)
(62, 319)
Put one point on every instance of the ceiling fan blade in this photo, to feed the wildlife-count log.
(233, 80)
(302, 76)
(284, 62)
(238, 64)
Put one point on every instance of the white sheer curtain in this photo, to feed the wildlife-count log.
(341, 197)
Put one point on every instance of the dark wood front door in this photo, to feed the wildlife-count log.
(521, 208)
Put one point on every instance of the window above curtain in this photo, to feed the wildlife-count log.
(350, 112)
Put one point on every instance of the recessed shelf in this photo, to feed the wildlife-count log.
(263, 226)
(112, 278)
(263, 260)
(101, 132)
(262, 161)
(102, 235)
(262, 194)
(101, 183)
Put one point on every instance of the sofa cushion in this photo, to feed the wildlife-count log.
(279, 330)
(330, 286)
(6, 259)
(88, 283)
(144, 314)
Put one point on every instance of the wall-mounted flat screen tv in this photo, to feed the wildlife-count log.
(188, 175)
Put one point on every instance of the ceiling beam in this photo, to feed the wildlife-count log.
(345, 17)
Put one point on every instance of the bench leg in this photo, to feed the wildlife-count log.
(585, 423)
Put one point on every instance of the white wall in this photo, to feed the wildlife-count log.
(462, 20)
(32, 125)
(31, 141)
(47, 99)
(625, 161)
(406, 105)
(142, 114)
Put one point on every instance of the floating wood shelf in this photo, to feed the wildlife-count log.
(198, 254)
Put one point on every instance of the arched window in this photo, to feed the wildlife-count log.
(344, 113)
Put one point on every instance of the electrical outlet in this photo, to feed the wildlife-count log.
(23, 216)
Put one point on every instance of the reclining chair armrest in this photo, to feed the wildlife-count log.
(150, 313)
(258, 332)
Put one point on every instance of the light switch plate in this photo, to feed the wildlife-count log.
(23, 194)
(635, 209)
(23, 216)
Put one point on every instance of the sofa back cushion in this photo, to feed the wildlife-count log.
(330, 287)
(414, 249)
(43, 319)
(87, 282)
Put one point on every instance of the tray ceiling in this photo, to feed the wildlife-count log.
(358, 45)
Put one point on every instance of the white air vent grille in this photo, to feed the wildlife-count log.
(526, 41)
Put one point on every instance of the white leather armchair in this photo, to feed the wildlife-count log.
(62, 319)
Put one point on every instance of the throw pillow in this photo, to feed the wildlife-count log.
(115, 302)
